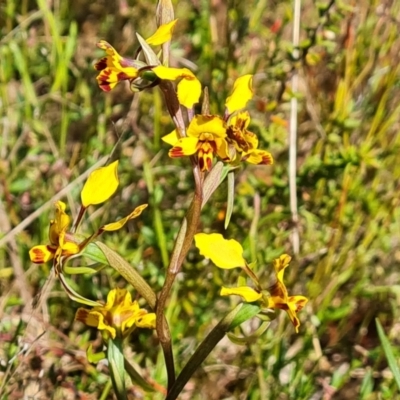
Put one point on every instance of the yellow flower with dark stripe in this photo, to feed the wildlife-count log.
(114, 68)
(228, 254)
(244, 142)
(62, 243)
(118, 316)
(279, 295)
(99, 187)
(206, 137)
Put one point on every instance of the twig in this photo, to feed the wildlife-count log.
(293, 132)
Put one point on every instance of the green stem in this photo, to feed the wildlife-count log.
(182, 246)
(106, 391)
(185, 236)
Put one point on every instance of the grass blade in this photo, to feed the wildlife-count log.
(387, 348)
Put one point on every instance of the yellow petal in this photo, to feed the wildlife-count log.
(62, 219)
(104, 325)
(189, 89)
(292, 312)
(222, 149)
(298, 301)
(70, 248)
(247, 293)
(41, 254)
(162, 34)
(294, 318)
(118, 297)
(205, 156)
(85, 316)
(251, 139)
(201, 124)
(258, 157)
(223, 253)
(241, 120)
(148, 321)
(60, 223)
(171, 138)
(101, 185)
(111, 296)
(184, 147)
(241, 94)
(114, 226)
(172, 74)
(280, 264)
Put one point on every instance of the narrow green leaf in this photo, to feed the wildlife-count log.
(137, 378)
(387, 348)
(367, 384)
(212, 181)
(91, 269)
(245, 340)
(21, 65)
(115, 358)
(129, 273)
(247, 311)
(93, 252)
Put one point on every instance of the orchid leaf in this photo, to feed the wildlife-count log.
(246, 312)
(137, 378)
(129, 273)
(93, 252)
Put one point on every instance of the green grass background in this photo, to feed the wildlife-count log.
(55, 124)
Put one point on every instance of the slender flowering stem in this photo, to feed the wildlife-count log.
(185, 236)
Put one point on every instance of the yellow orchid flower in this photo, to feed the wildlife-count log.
(62, 243)
(246, 142)
(206, 136)
(118, 316)
(67, 244)
(279, 295)
(227, 254)
(99, 187)
(114, 68)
